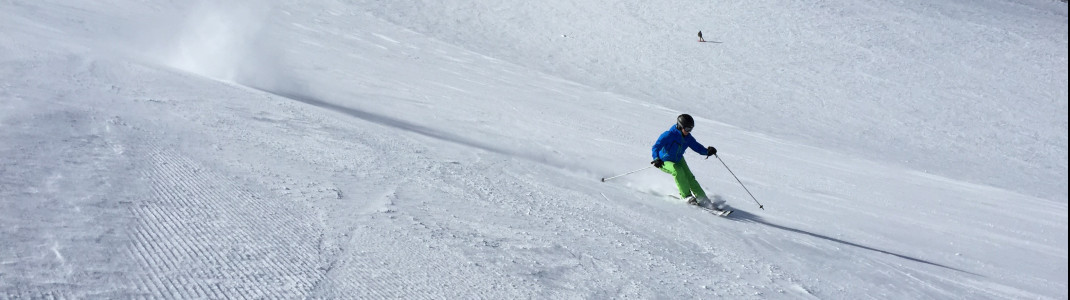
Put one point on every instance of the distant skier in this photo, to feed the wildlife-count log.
(700, 36)
(668, 153)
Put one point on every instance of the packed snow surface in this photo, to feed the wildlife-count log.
(455, 149)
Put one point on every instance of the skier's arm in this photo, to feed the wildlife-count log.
(654, 151)
(695, 146)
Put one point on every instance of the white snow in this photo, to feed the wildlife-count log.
(454, 149)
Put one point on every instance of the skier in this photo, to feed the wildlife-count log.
(700, 36)
(668, 153)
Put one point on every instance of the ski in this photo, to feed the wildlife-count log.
(717, 212)
(714, 211)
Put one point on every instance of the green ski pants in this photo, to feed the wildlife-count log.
(685, 181)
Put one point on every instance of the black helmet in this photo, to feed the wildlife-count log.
(685, 122)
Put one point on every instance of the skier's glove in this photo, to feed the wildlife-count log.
(658, 163)
(711, 151)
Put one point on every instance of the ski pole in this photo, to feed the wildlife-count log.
(740, 182)
(604, 178)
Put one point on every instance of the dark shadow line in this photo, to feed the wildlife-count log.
(745, 216)
(411, 127)
(382, 120)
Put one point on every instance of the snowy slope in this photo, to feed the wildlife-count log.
(967, 89)
(185, 150)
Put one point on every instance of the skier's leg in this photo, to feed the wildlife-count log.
(682, 184)
(692, 184)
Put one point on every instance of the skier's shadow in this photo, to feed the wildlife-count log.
(743, 216)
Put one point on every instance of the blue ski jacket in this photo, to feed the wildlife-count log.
(672, 144)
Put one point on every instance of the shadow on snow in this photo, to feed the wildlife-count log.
(412, 127)
(743, 216)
